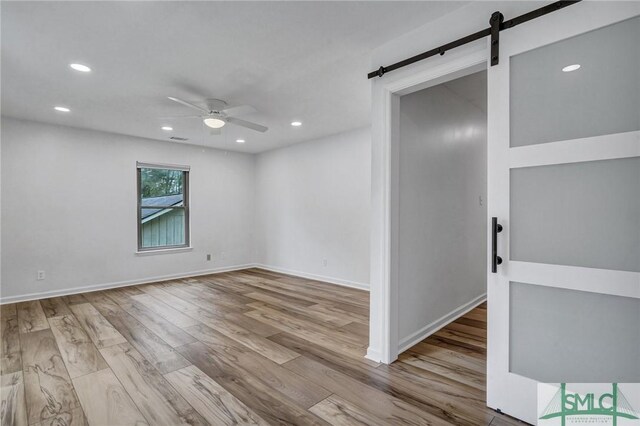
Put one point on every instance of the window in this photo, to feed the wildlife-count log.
(163, 206)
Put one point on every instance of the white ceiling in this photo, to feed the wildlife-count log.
(302, 61)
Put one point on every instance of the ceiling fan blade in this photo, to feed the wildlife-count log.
(188, 104)
(172, 117)
(247, 124)
(239, 110)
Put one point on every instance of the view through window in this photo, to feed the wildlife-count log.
(163, 206)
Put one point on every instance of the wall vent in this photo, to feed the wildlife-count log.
(176, 138)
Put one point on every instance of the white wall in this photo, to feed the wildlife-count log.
(441, 221)
(313, 204)
(69, 208)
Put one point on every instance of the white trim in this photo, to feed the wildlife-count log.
(373, 356)
(447, 319)
(606, 147)
(383, 328)
(106, 286)
(330, 280)
(141, 165)
(160, 250)
(602, 281)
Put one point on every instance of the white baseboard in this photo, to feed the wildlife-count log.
(373, 355)
(106, 286)
(429, 329)
(332, 280)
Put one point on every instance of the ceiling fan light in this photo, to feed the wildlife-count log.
(214, 123)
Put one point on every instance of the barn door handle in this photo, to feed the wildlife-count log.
(495, 259)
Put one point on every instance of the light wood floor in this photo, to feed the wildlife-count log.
(247, 347)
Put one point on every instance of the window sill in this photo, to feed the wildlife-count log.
(163, 251)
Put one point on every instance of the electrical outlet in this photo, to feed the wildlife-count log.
(208, 257)
(41, 276)
(324, 262)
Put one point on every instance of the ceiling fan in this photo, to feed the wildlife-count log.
(217, 114)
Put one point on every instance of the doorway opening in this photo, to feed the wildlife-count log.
(441, 216)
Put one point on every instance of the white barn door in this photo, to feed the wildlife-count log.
(564, 184)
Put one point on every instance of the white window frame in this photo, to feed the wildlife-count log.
(185, 206)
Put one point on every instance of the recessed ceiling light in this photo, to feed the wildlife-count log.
(240, 140)
(61, 109)
(296, 123)
(80, 67)
(167, 128)
(214, 123)
(570, 68)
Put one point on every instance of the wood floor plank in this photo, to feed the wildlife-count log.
(302, 312)
(78, 352)
(438, 395)
(255, 326)
(73, 299)
(54, 307)
(301, 331)
(266, 295)
(469, 350)
(358, 329)
(340, 412)
(167, 331)
(157, 351)
(105, 402)
(461, 337)
(10, 358)
(474, 331)
(232, 330)
(328, 330)
(269, 404)
(305, 394)
(100, 331)
(12, 401)
(442, 367)
(472, 322)
(287, 291)
(194, 293)
(164, 310)
(76, 418)
(227, 283)
(309, 291)
(385, 407)
(476, 315)
(48, 388)
(176, 302)
(352, 314)
(211, 400)
(190, 300)
(156, 399)
(234, 299)
(435, 351)
(31, 317)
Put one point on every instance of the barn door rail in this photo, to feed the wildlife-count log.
(497, 24)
